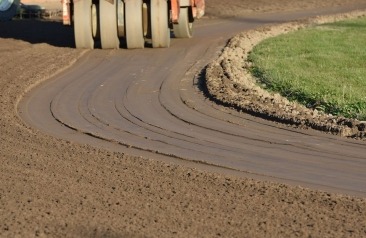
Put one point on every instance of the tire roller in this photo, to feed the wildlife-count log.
(137, 21)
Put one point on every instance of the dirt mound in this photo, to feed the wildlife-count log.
(229, 82)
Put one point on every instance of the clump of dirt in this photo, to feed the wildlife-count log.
(228, 81)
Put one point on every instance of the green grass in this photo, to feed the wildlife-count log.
(322, 67)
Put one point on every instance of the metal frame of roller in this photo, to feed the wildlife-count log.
(138, 22)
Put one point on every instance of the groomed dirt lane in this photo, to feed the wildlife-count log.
(53, 187)
(153, 104)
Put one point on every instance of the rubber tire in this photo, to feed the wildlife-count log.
(134, 24)
(95, 28)
(160, 32)
(145, 19)
(121, 18)
(108, 24)
(8, 14)
(83, 24)
(184, 28)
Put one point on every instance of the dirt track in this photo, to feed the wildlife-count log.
(56, 188)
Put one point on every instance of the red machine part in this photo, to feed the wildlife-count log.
(199, 6)
(66, 12)
(175, 7)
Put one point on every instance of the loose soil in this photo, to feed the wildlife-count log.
(50, 187)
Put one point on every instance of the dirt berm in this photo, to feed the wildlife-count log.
(229, 82)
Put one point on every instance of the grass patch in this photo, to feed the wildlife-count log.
(322, 67)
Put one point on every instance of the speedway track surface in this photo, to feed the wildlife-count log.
(150, 101)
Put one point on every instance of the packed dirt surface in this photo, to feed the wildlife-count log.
(54, 188)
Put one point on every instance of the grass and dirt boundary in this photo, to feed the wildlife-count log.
(229, 80)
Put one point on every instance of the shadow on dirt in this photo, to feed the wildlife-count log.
(38, 31)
